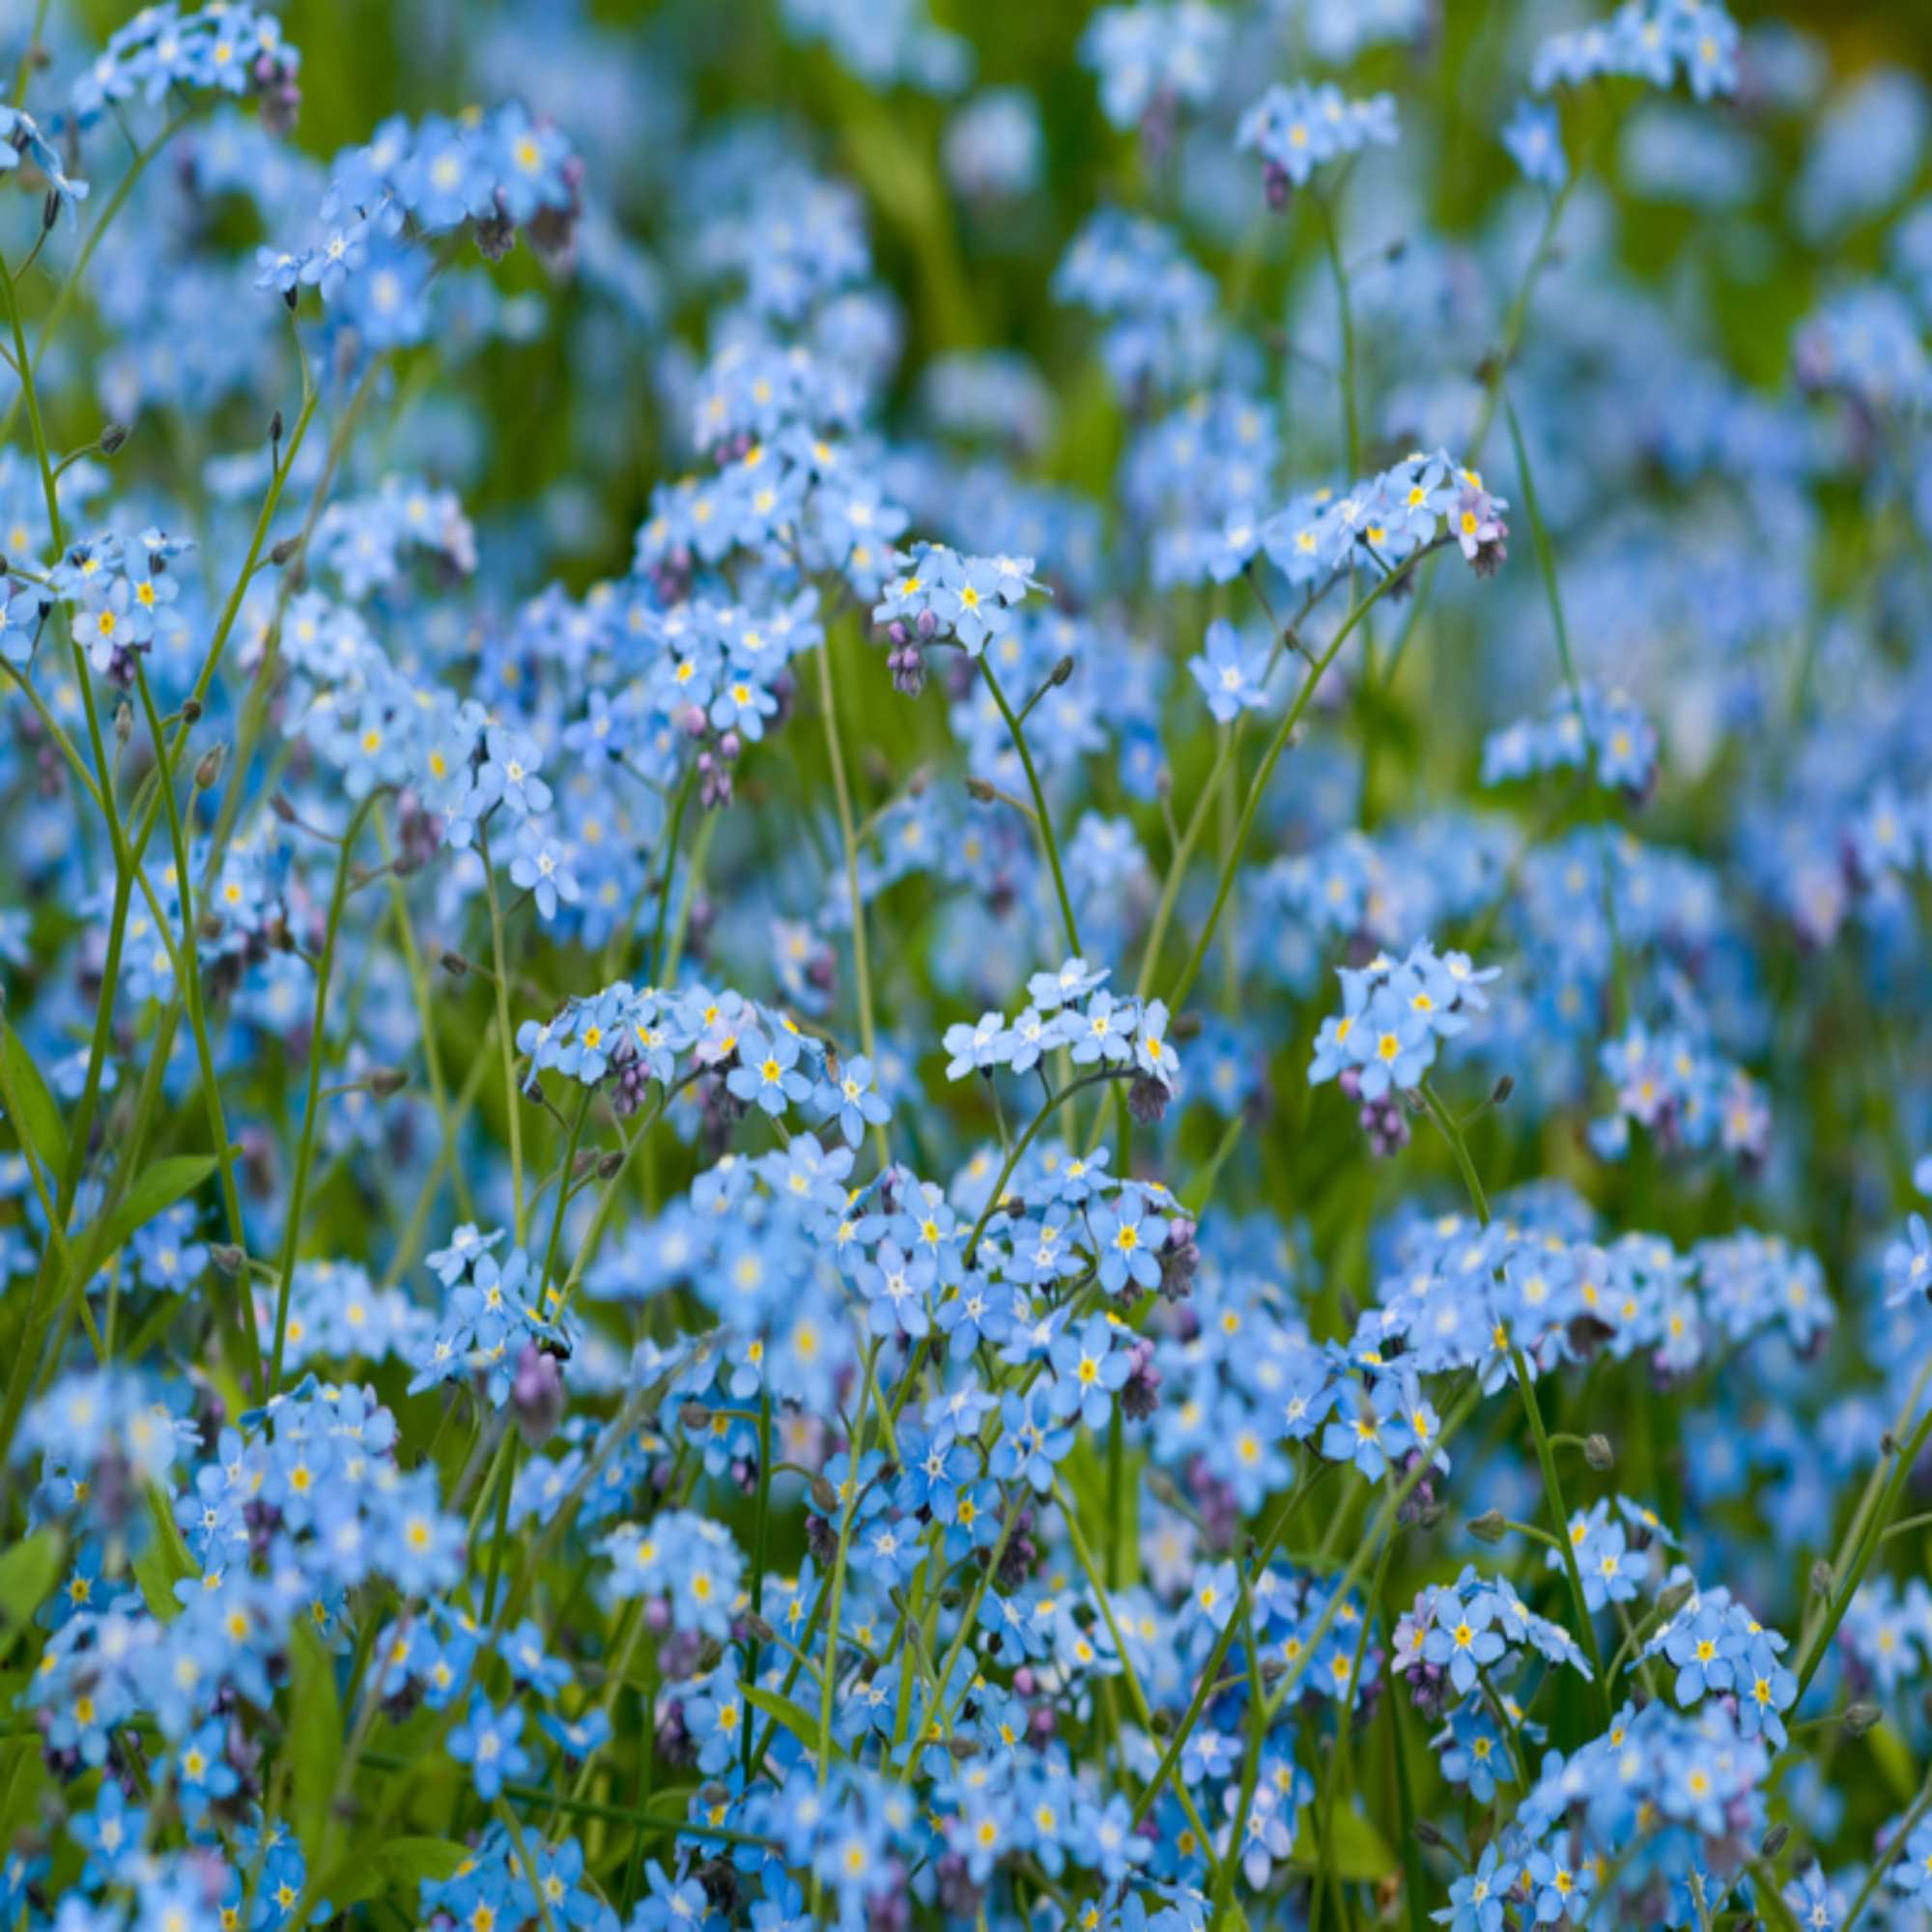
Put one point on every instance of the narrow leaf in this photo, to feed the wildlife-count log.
(164, 1562)
(159, 1187)
(36, 1116)
(28, 1573)
(315, 1736)
(800, 1723)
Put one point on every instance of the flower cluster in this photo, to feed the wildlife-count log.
(1295, 129)
(1604, 731)
(1393, 1015)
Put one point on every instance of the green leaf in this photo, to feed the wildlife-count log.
(37, 1117)
(798, 1721)
(23, 1776)
(28, 1571)
(402, 1865)
(1894, 1759)
(160, 1185)
(1234, 1919)
(164, 1562)
(1356, 1849)
(412, 1860)
(313, 1745)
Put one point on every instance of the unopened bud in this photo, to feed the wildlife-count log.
(208, 773)
(1774, 1841)
(757, 1629)
(1062, 670)
(1489, 1528)
(281, 553)
(278, 803)
(980, 789)
(694, 1415)
(963, 1747)
(1505, 1086)
(190, 711)
(1598, 1453)
(123, 721)
(609, 1166)
(825, 1498)
(1861, 1717)
(275, 427)
(50, 210)
(1821, 1577)
(453, 963)
(387, 1079)
(586, 1160)
(113, 439)
(230, 1259)
(207, 925)
(1426, 1834)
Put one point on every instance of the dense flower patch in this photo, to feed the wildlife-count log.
(963, 974)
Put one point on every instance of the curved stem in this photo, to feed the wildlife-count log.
(1041, 816)
(841, 792)
(306, 1152)
(506, 1043)
(1142, 1709)
(1276, 746)
(1020, 1145)
(190, 976)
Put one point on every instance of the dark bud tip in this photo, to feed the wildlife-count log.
(1861, 1717)
(284, 551)
(1062, 670)
(453, 963)
(1598, 1453)
(228, 1259)
(1489, 1528)
(387, 1079)
(113, 439)
(208, 773)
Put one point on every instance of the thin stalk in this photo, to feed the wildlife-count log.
(1277, 745)
(317, 1045)
(506, 1043)
(188, 975)
(861, 971)
(1142, 1709)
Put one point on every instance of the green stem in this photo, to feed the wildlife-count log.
(1276, 746)
(842, 793)
(855, 1456)
(506, 1043)
(1351, 419)
(1142, 1709)
(190, 976)
(669, 860)
(1042, 818)
(317, 1046)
